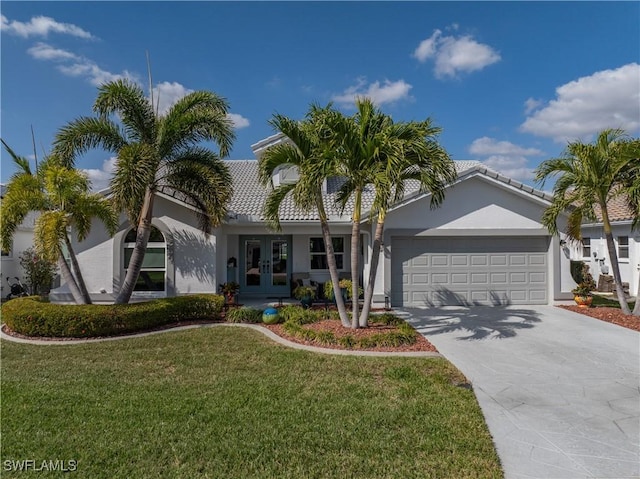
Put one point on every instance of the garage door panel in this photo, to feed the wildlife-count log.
(469, 270)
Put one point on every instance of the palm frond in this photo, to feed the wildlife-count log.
(20, 161)
(84, 134)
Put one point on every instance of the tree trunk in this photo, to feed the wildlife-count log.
(331, 263)
(613, 257)
(636, 308)
(355, 253)
(373, 269)
(142, 238)
(75, 267)
(68, 278)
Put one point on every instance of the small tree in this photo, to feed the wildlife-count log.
(39, 272)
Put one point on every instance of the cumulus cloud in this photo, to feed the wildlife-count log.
(74, 65)
(506, 157)
(41, 26)
(238, 120)
(100, 178)
(455, 54)
(42, 51)
(166, 94)
(583, 107)
(379, 93)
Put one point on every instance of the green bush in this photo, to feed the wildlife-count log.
(388, 319)
(33, 317)
(244, 315)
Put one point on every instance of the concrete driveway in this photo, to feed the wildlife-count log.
(560, 391)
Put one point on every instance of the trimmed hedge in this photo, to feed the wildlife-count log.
(33, 317)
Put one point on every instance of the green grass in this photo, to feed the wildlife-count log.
(228, 403)
(608, 301)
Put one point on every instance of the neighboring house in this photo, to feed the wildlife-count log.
(484, 245)
(22, 240)
(593, 248)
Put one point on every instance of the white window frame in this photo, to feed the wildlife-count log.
(586, 246)
(337, 253)
(622, 246)
(155, 244)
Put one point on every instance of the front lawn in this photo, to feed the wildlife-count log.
(227, 402)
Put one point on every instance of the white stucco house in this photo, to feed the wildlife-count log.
(593, 248)
(484, 245)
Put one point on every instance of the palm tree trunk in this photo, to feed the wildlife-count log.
(613, 257)
(636, 308)
(373, 269)
(355, 253)
(137, 257)
(331, 263)
(68, 278)
(77, 273)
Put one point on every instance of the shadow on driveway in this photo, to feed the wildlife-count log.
(473, 322)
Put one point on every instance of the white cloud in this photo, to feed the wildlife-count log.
(490, 146)
(42, 51)
(531, 104)
(238, 121)
(387, 92)
(166, 94)
(506, 157)
(41, 26)
(453, 55)
(76, 66)
(583, 107)
(100, 178)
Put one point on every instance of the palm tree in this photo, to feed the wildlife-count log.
(631, 184)
(412, 153)
(308, 151)
(61, 196)
(156, 151)
(590, 175)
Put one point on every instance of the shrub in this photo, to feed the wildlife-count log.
(345, 284)
(38, 271)
(299, 315)
(33, 317)
(388, 319)
(244, 315)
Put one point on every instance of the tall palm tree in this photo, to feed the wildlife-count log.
(308, 151)
(61, 196)
(156, 151)
(631, 184)
(412, 154)
(590, 175)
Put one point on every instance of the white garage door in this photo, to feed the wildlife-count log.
(469, 270)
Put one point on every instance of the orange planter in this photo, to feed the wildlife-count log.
(583, 301)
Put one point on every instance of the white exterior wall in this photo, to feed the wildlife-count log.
(477, 206)
(601, 263)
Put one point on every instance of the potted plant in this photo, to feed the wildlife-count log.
(582, 294)
(229, 290)
(306, 295)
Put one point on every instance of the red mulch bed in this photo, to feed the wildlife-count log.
(338, 330)
(610, 315)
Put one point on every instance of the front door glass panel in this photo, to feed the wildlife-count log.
(253, 262)
(279, 258)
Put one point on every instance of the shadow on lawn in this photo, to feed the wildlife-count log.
(473, 321)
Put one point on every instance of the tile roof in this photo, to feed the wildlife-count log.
(249, 196)
(618, 210)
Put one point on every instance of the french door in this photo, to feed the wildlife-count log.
(265, 265)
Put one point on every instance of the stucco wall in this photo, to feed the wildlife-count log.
(475, 206)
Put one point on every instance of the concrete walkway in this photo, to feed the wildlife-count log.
(560, 391)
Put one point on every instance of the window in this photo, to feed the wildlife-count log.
(154, 266)
(623, 247)
(318, 252)
(6, 254)
(586, 247)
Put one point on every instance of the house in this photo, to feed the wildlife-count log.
(484, 245)
(593, 248)
(10, 262)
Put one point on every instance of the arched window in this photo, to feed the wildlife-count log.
(153, 275)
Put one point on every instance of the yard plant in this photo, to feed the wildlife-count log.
(227, 402)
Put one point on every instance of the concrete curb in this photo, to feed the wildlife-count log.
(271, 335)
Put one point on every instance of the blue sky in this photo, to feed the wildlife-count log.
(509, 82)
